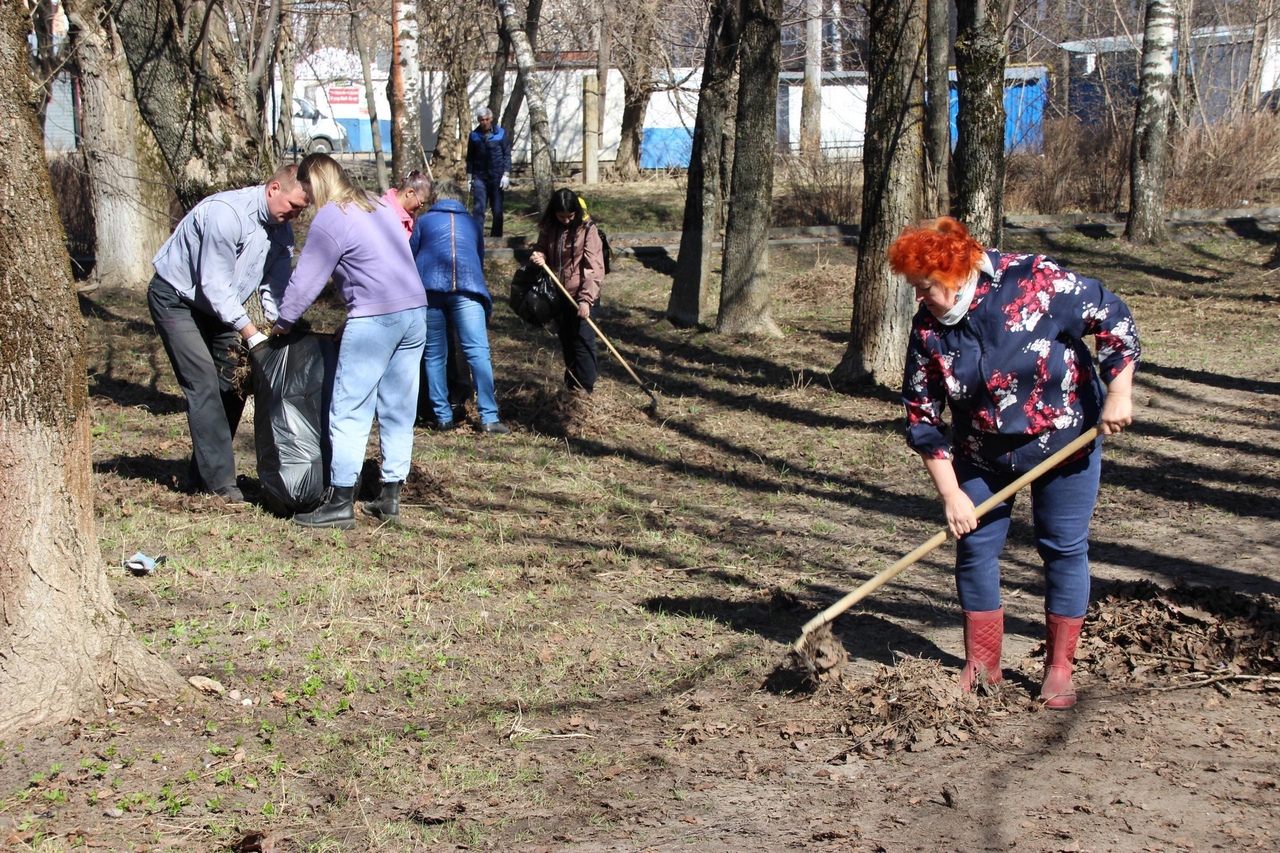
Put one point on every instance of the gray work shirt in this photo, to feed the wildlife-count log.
(227, 247)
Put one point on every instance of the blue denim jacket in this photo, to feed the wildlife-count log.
(448, 248)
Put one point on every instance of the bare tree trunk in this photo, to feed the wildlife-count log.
(937, 110)
(539, 126)
(455, 115)
(811, 99)
(405, 88)
(498, 75)
(744, 288)
(512, 112)
(282, 138)
(130, 203)
(689, 303)
(191, 93)
(604, 61)
(45, 60)
(979, 158)
(64, 643)
(893, 167)
(261, 72)
(371, 102)
(1183, 84)
(1149, 158)
(637, 76)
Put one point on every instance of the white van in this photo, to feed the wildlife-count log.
(315, 132)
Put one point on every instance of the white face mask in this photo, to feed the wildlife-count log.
(965, 297)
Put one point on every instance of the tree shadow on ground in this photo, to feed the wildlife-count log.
(169, 473)
(1215, 380)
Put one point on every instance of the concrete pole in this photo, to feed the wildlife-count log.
(590, 129)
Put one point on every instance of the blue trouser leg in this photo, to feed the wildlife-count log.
(495, 198)
(202, 351)
(479, 201)
(386, 348)
(1061, 506)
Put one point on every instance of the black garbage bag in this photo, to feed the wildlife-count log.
(292, 385)
(534, 296)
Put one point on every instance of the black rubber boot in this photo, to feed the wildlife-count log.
(336, 511)
(387, 506)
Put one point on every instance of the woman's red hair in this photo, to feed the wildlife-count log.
(941, 250)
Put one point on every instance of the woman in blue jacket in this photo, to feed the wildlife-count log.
(1000, 340)
(448, 248)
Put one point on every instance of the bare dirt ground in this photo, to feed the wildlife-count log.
(578, 641)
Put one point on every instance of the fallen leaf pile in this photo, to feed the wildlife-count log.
(1144, 634)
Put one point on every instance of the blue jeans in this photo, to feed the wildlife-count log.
(486, 192)
(377, 371)
(1062, 504)
(466, 312)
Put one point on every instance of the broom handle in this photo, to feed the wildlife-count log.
(941, 536)
(600, 334)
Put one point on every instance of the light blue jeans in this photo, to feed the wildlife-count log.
(377, 372)
(1062, 504)
(467, 314)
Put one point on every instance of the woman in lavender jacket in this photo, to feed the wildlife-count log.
(360, 243)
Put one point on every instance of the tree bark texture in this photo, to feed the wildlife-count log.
(190, 89)
(406, 78)
(981, 55)
(689, 303)
(63, 641)
(938, 109)
(744, 287)
(498, 75)
(893, 169)
(1149, 158)
(371, 102)
(811, 98)
(635, 62)
(532, 15)
(128, 181)
(539, 126)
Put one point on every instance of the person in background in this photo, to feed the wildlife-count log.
(408, 198)
(230, 245)
(489, 167)
(448, 249)
(359, 241)
(569, 245)
(1000, 339)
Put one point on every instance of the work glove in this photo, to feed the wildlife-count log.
(505, 182)
(471, 185)
(255, 340)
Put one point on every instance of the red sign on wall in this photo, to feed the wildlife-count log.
(344, 95)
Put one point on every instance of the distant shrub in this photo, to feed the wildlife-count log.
(817, 190)
(70, 177)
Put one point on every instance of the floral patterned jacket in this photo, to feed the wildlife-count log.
(1015, 369)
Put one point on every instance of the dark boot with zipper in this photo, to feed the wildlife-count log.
(1062, 634)
(338, 510)
(983, 639)
(387, 505)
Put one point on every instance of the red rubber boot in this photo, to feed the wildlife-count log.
(983, 637)
(1057, 692)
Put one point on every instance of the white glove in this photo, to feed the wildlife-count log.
(505, 182)
(255, 339)
(471, 185)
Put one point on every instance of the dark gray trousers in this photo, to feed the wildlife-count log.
(204, 353)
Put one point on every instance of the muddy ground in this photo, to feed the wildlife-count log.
(578, 640)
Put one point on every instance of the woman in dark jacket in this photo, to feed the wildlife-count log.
(569, 245)
(1000, 339)
(448, 249)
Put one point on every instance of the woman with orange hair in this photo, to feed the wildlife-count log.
(1000, 339)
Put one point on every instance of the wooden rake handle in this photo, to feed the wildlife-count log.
(653, 401)
(941, 536)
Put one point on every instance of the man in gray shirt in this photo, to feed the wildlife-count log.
(229, 246)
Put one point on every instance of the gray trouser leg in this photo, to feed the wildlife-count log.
(203, 352)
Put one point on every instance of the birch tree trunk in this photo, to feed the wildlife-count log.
(539, 127)
(128, 184)
(1149, 160)
(405, 90)
(744, 288)
(63, 642)
(979, 159)
(371, 102)
(811, 98)
(509, 116)
(937, 109)
(689, 303)
(893, 168)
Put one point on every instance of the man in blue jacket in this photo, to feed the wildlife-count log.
(489, 166)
